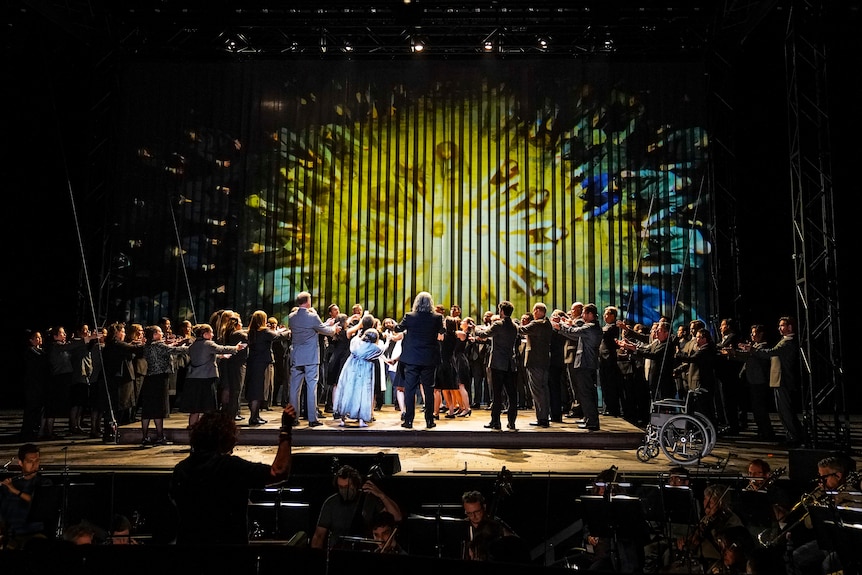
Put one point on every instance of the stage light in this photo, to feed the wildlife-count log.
(543, 43)
(417, 44)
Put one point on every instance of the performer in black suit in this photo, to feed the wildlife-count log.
(503, 334)
(420, 356)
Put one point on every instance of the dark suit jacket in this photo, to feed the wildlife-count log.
(701, 367)
(420, 345)
(539, 334)
(503, 334)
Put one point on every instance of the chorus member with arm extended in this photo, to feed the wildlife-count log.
(755, 372)
(58, 399)
(587, 337)
(305, 326)
(210, 487)
(420, 356)
(783, 377)
(117, 358)
(503, 334)
(260, 362)
(232, 370)
(661, 356)
(199, 396)
(537, 357)
(154, 392)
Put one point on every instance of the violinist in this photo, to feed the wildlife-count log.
(704, 543)
(383, 530)
(17, 525)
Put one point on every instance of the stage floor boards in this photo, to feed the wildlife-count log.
(455, 447)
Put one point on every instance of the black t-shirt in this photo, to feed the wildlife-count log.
(210, 491)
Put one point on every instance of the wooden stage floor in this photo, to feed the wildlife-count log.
(455, 447)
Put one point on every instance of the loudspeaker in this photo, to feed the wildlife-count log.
(802, 463)
(369, 466)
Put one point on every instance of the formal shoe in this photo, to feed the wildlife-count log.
(495, 427)
(437, 417)
(402, 416)
(465, 413)
(327, 410)
(295, 423)
(407, 425)
(588, 427)
(540, 424)
(261, 421)
(580, 421)
(161, 441)
(238, 417)
(362, 423)
(443, 409)
(430, 425)
(511, 426)
(557, 419)
(77, 431)
(314, 424)
(450, 416)
(146, 442)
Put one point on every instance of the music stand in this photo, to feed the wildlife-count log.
(679, 504)
(620, 517)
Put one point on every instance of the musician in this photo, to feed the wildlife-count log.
(383, 529)
(210, 487)
(484, 531)
(705, 543)
(16, 500)
(624, 554)
(351, 510)
(835, 486)
(758, 472)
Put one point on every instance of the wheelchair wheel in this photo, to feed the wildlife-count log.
(710, 430)
(683, 439)
(653, 449)
(643, 454)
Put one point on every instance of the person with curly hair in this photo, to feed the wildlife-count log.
(210, 487)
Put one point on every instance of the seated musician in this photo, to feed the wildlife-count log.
(484, 531)
(758, 472)
(838, 485)
(621, 553)
(383, 530)
(704, 543)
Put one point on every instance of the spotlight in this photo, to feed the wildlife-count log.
(543, 44)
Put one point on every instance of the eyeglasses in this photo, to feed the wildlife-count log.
(827, 476)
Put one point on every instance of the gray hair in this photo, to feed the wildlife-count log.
(423, 302)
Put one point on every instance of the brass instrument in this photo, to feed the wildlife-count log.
(818, 497)
(767, 483)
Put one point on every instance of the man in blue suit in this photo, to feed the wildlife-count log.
(420, 356)
(305, 325)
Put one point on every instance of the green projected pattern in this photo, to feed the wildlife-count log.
(368, 182)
